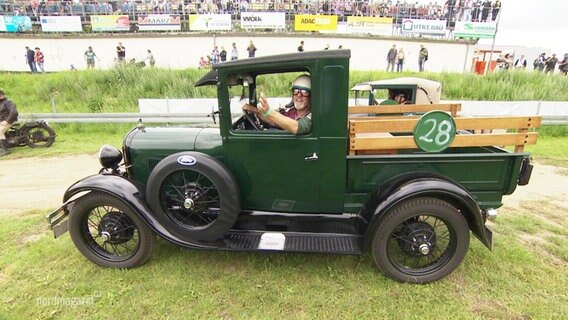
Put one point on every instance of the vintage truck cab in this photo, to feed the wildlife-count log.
(407, 189)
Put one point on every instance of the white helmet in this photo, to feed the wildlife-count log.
(302, 82)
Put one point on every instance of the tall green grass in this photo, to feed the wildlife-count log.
(118, 90)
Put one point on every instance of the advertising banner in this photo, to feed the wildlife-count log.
(61, 24)
(424, 27)
(263, 20)
(110, 23)
(369, 25)
(312, 22)
(209, 22)
(2, 24)
(17, 24)
(475, 29)
(159, 22)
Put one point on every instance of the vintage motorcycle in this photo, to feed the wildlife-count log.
(35, 134)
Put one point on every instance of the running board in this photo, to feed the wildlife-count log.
(331, 243)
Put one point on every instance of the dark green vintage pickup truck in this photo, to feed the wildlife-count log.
(406, 183)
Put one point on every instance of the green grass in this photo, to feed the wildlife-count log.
(525, 277)
(118, 90)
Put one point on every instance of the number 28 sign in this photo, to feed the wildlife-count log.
(435, 131)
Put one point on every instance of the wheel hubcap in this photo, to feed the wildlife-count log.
(188, 203)
(417, 238)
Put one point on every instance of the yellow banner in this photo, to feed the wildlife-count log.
(110, 23)
(312, 22)
(368, 21)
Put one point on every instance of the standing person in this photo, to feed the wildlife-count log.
(8, 115)
(30, 59)
(234, 52)
(150, 58)
(563, 65)
(301, 46)
(215, 55)
(521, 63)
(39, 59)
(400, 60)
(223, 54)
(121, 53)
(391, 58)
(550, 64)
(422, 57)
(538, 63)
(90, 58)
(251, 49)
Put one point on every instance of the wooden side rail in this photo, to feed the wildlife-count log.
(367, 136)
(452, 108)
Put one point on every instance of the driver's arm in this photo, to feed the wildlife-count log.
(275, 118)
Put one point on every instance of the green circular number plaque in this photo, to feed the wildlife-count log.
(435, 131)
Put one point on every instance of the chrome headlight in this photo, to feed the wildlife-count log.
(109, 156)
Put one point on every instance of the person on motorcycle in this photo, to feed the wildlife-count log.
(8, 115)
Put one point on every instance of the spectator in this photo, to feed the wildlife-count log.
(90, 56)
(215, 55)
(30, 59)
(400, 60)
(39, 59)
(223, 54)
(422, 58)
(521, 63)
(485, 11)
(563, 65)
(120, 53)
(203, 63)
(8, 115)
(391, 58)
(496, 8)
(301, 46)
(251, 49)
(538, 63)
(550, 64)
(150, 58)
(234, 52)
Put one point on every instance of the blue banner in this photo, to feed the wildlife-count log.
(17, 23)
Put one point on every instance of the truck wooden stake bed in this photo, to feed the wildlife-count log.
(407, 183)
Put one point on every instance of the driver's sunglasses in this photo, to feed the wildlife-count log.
(304, 92)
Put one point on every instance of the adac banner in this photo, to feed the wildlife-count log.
(159, 22)
(209, 22)
(15, 24)
(475, 29)
(312, 22)
(424, 27)
(369, 25)
(263, 20)
(61, 24)
(110, 23)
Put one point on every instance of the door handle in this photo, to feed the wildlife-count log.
(312, 157)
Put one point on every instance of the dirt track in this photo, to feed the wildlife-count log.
(39, 183)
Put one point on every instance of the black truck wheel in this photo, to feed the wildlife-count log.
(108, 232)
(194, 196)
(420, 240)
(40, 136)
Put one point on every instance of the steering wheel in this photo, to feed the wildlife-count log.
(253, 120)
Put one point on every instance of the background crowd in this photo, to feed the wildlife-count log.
(451, 10)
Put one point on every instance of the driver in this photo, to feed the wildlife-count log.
(296, 118)
(8, 115)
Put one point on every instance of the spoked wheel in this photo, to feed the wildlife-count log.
(193, 196)
(108, 232)
(40, 136)
(420, 240)
(190, 199)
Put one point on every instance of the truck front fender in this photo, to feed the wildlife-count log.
(129, 192)
(435, 188)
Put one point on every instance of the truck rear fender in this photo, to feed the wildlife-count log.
(129, 192)
(435, 188)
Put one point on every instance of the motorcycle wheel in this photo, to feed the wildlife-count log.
(40, 136)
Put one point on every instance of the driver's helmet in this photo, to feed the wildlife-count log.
(302, 82)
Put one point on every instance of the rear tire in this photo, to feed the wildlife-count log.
(109, 233)
(420, 240)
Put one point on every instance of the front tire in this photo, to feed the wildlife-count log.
(420, 240)
(108, 232)
(39, 136)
